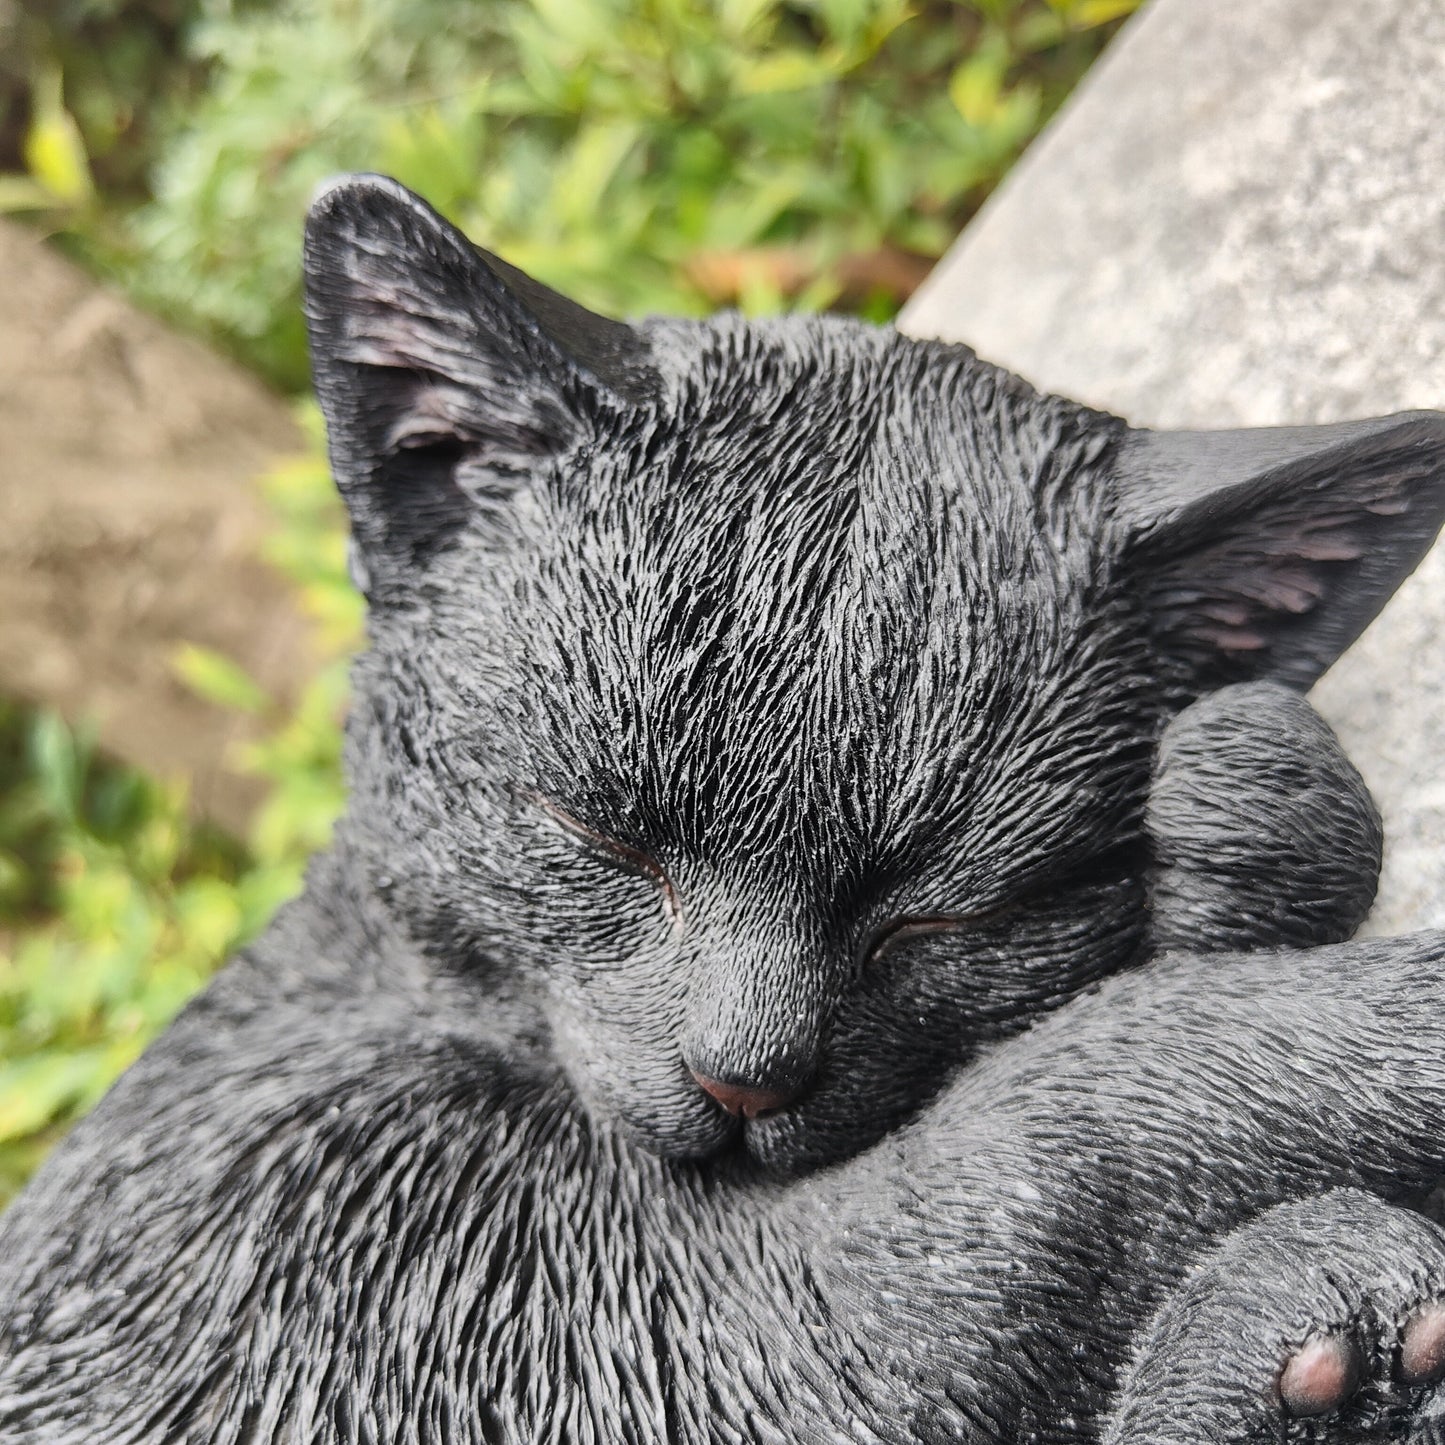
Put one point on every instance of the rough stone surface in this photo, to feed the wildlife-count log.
(129, 522)
(1240, 220)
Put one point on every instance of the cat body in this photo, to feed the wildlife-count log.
(696, 1030)
(347, 1215)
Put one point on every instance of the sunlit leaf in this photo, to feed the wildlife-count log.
(36, 1090)
(786, 70)
(741, 16)
(217, 678)
(208, 912)
(1086, 14)
(975, 87)
(23, 193)
(54, 148)
(586, 172)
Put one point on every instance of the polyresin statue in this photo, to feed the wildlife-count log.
(696, 1031)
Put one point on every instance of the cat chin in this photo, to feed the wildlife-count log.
(785, 1146)
(782, 1147)
(791, 1145)
(690, 1131)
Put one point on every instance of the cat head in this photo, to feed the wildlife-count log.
(773, 702)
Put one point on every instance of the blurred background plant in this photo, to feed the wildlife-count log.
(642, 155)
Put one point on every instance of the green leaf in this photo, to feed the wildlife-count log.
(597, 154)
(54, 148)
(845, 19)
(214, 677)
(23, 193)
(785, 71)
(975, 87)
(743, 16)
(36, 1090)
(58, 764)
(210, 916)
(1086, 14)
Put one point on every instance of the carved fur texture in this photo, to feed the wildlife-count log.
(772, 982)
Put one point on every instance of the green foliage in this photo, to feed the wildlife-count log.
(300, 754)
(83, 84)
(115, 909)
(667, 155)
(616, 148)
(115, 903)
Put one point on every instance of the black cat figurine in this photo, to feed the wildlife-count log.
(772, 982)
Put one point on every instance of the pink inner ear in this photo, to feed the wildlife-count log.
(1231, 614)
(1233, 639)
(394, 339)
(434, 412)
(1287, 589)
(1329, 547)
(1388, 506)
(375, 353)
(1275, 547)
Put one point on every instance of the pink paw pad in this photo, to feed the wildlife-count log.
(1321, 1375)
(1422, 1346)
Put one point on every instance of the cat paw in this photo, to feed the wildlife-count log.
(1318, 1322)
(1263, 832)
(1328, 1370)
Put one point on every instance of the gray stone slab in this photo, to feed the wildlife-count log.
(1240, 220)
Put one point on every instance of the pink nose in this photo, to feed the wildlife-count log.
(749, 1103)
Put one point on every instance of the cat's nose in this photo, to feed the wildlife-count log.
(744, 1102)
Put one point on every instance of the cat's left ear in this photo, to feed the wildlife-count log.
(447, 377)
(1264, 553)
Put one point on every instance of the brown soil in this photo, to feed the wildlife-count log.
(130, 522)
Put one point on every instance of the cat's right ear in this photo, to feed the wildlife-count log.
(446, 376)
(1264, 552)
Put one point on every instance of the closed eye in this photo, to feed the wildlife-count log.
(622, 855)
(899, 931)
(1100, 870)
